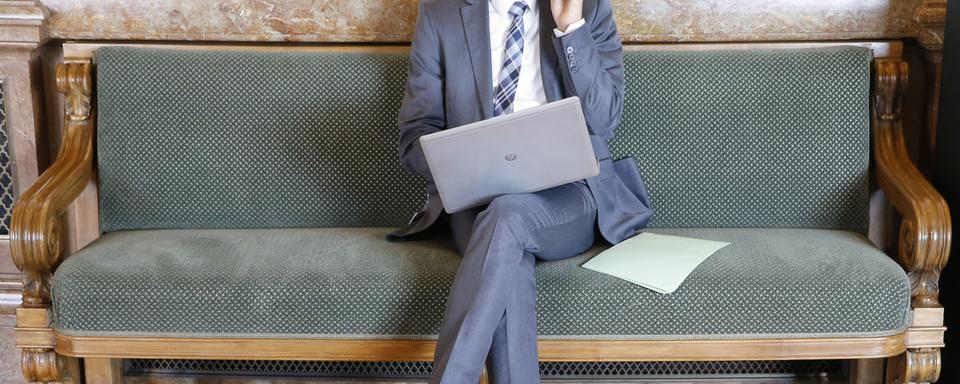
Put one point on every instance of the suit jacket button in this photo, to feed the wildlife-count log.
(570, 56)
(574, 69)
(573, 63)
(569, 49)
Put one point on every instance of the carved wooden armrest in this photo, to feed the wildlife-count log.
(35, 235)
(925, 229)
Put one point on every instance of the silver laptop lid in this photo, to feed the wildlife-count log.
(524, 151)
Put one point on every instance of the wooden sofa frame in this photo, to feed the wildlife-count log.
(38, 246)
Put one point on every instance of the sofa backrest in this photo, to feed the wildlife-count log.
(751, 138)
(248, 139)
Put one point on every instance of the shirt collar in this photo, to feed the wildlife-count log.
(503, 6)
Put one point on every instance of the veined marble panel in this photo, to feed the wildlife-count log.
(393, 20)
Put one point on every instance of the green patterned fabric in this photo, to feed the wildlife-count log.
(750, 138)
(351, 283)
(218, 139)
(206, 159)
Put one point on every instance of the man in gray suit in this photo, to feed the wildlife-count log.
(475, 59)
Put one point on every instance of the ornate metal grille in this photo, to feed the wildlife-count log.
(817, 369)
(6, 173)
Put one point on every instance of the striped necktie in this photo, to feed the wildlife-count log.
(506, 87)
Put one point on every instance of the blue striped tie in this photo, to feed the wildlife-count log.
(512, 55)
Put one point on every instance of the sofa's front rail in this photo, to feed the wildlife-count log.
(422, 350)
(52, 357)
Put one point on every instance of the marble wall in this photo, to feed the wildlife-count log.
(393, 20)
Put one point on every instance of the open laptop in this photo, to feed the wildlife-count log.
(525, 151)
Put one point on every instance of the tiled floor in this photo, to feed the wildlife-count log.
(9, 358)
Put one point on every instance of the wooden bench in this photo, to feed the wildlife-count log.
(764, 145)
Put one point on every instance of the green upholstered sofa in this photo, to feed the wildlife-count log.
(243, 196)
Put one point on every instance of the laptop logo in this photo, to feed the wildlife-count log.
(510, 156)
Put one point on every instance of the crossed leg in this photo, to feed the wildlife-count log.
(490, 314)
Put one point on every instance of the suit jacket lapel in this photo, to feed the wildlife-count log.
(476, 28)
(548, 55)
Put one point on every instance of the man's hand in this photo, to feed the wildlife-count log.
(565, 12)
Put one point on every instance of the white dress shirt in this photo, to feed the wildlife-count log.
(530, 85)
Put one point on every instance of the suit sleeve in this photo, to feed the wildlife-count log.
(591, 59)
(421, 111)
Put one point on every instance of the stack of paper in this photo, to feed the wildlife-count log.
(658, 262)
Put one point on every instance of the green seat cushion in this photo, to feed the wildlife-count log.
(350, 283)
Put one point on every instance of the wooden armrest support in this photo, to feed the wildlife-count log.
(35, 235)
(925, 230)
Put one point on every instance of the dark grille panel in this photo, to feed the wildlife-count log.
(825, 369)
(401, 369)
(6, 171)
(691, 369)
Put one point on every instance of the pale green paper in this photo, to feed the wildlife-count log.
(658, 262)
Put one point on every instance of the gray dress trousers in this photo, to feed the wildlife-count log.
(490, 315)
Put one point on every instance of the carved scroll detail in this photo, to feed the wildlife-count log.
(925, 229)
(35, 235)
(74, 81)
(923, 365)
(919, 365)
(42, 365)
(889, 87)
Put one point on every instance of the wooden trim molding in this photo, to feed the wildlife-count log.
(422, 350)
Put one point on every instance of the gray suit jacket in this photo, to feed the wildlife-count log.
(449, 85)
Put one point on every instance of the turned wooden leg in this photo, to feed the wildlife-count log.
(917, 365)
(103, 370)
(43, 365)
(866, 371)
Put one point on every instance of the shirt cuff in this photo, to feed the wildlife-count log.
(570, 28)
